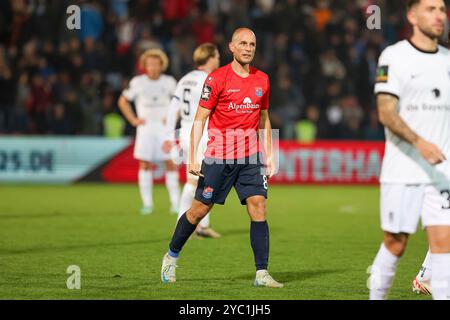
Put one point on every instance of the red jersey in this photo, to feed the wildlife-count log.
(235, 103)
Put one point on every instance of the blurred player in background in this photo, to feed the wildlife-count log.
(422, 282)
(413, 98)
(151, 93)
(185, 102)
(235, 98)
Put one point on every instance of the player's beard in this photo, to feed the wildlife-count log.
(241, 62)
(430, 34)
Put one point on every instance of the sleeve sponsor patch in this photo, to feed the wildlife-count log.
(206, 93)
(382, 74)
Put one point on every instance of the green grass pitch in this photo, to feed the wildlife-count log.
(323, 238)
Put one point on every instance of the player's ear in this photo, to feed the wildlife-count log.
(411, 16)
(231, 46)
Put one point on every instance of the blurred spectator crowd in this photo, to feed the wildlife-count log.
(320, 56)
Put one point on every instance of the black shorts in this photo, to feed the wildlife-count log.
(246, 175)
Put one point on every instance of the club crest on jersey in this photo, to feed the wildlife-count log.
(206, 93)
(258, 92)
(207, 192)
(382, 74)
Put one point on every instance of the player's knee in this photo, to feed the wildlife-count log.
(257, 207)
(171, 166)
(197, 212)
(396, 243)
(144, 165)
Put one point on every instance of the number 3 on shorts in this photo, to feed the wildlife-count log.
(446, 195)
(265, 184)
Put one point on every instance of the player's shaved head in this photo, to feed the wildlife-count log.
(241, 31)
(243, 45)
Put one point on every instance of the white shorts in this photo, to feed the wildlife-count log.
(403, 205)
(185, 145)
(148, 145)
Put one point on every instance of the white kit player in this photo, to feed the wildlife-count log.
(151, 93)
(413, 98)
(422, 282)
(185, 103)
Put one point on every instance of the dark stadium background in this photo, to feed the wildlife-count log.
(320, 55)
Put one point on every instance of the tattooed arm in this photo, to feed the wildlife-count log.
(389, 117)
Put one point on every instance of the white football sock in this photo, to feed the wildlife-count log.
(382, 273)
(187, 196)
(205, 222)
(425, 271)
(440, 276)
(173, 186)
(146, 187)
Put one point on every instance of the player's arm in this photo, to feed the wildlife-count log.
(127, 111)
(266, 127)
(389, 117)
(196, 135)
(173, 113)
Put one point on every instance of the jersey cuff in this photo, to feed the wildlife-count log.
(389, 93)
(127, 98)
(206, 107)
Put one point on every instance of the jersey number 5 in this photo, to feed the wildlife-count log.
(187, 104)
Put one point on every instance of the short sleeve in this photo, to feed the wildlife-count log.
(172, 85)
(178, 94)
(266, 96)
(387, 77)
(132, 91)
(210, 93)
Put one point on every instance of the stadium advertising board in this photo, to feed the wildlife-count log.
(348, 162)
(53, 160)
(65, 160)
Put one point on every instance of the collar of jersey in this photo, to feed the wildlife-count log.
(421, 50)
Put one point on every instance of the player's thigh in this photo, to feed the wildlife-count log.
(216, 183)
(436, 205)
(156, 146)
(143, 146)
(400, 207)
(251, 181)
(436, 217)
(145, 165)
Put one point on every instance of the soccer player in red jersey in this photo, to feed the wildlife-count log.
(235, 99)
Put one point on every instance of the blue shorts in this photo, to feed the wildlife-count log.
(246, 175)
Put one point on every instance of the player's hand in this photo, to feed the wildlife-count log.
(195, 168)
(167, 146)
(137, 122)
(430, 152)
(270, 167)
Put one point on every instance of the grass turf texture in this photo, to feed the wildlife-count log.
(323, 239)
